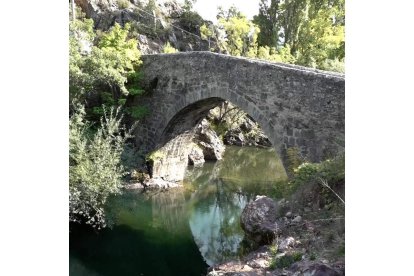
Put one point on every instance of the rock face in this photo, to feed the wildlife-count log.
(211, 145)
(152, 34)
(241, 129)
(248, 133)
(258, 220)
(314, 269)
(196, 156)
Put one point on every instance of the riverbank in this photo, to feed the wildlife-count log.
(309, 241)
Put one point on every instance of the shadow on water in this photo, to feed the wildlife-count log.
(146, 240)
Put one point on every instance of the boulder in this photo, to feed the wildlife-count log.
(233, 137)
(286, 244)
(259, 220)
(297, 219)
(247, 134)
(211, 145)
(159, 183)
(196, 156)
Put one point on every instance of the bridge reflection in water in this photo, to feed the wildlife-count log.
(180, 231)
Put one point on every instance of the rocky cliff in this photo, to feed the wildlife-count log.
(153, 24)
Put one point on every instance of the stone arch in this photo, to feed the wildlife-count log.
(172, 146)
(295, 106)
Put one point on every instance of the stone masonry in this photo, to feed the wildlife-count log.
(295, 106)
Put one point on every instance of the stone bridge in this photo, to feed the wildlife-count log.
(295, 106)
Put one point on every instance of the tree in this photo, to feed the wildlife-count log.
(104, 69)
(206, 33)
(268, 22)
(322, 36)
(312, 30)
(241, 33)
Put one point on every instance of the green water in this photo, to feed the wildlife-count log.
(181, 231)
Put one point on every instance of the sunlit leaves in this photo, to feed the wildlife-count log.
(105, 66)
(95, 169)
(241, 34)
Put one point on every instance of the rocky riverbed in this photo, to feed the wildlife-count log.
(288, 240)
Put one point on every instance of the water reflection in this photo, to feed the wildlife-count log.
(179, 232)
(222, 191)
(214, 224)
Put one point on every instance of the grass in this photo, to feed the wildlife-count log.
(285, 261)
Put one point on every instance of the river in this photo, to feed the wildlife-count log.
(181, 231)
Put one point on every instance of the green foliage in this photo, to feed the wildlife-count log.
(319, 39)
(312, 257)
(331, 170)
(271, 54)
(107, 71)
(285, 261)
(168, 49)
(151, 6)
(272, 264)
(123, 4)
(333, 65)
(137, 112)
(313, 30)
(306, 172)
(104, 67)
(206, 32)
(95, 169)
(293, 159)
(241, 33)
(133, 84)
(273, 249)
(191, 21)
(267, 21)
(154, 156)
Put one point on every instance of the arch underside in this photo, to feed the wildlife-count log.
(176, 140)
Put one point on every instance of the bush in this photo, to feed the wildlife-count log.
(285, 261)
(333, 65)
(168, 49)
(95, 169)
(293, 159)
(330, 170)
(123, 4)
(191, 21)
(108, 66)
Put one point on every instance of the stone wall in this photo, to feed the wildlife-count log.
(295, 106)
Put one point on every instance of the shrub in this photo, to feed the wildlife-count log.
(137, 112)
(123, 4)
(107, 66)
(168, 49)
(330, 171)
(333, 65)
(293, 159)
(95, 169)
(191, 21)
(285, 261)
